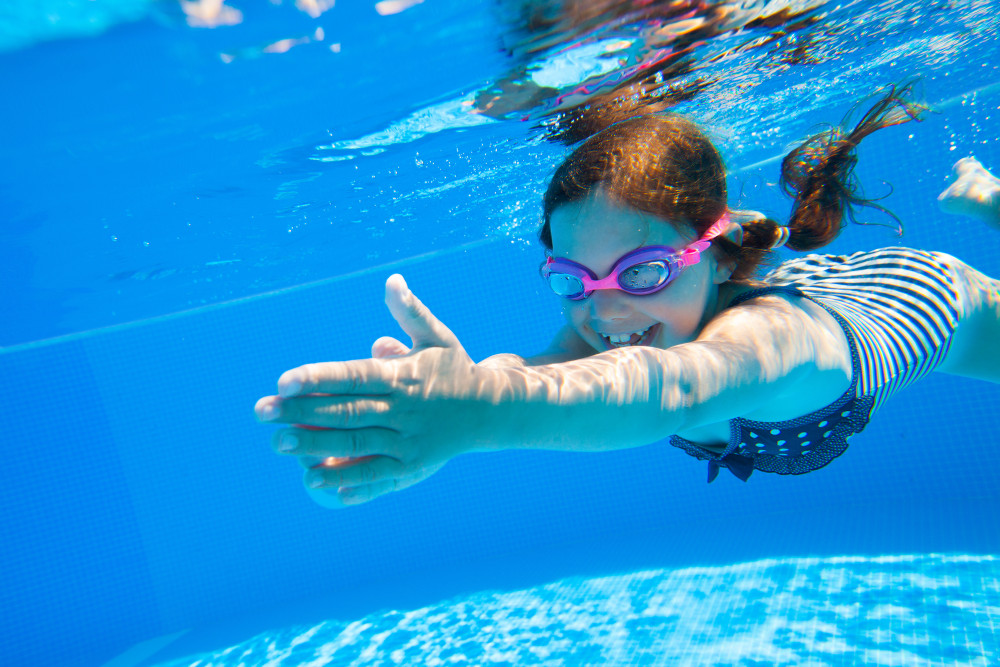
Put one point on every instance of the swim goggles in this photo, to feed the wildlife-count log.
(642, 271)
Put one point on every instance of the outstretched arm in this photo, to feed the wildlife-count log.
(392, 422)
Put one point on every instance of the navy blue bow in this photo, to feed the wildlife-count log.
(741, 466)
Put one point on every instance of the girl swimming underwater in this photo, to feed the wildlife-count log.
(669, 334)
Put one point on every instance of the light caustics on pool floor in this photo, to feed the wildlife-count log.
(908, 610)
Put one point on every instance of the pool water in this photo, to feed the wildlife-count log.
(197, 196)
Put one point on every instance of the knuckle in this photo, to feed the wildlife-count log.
(354, 416)
(353, 382)
(414, 308)
(356, 443)
(358, 377)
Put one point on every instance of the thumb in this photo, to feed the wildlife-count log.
(416, 320)
(387, 347)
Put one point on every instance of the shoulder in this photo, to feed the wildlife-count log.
(796, 344)
(783, 326)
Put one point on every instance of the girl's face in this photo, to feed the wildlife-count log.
(595, 232)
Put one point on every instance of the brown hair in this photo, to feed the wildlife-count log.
(664, 164)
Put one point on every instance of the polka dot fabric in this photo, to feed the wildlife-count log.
(805, 444)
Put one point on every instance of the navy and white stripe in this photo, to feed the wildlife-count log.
(902, 306)
(898, 308)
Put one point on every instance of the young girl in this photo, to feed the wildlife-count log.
(668, 333)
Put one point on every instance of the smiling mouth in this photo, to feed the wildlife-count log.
(642, 337)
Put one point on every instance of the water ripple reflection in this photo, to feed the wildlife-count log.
(889, 610)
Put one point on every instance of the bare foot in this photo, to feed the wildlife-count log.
(975, 193)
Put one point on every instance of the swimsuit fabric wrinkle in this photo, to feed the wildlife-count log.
(897, 308)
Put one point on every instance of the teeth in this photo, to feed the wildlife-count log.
(618, 339)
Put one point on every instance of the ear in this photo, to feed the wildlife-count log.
(724, 266)
(733, 232)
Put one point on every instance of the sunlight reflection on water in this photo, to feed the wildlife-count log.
(888, 610)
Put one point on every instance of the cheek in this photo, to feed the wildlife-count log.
(680, 325)
(577, 316)
(574, 313)
(680, 313)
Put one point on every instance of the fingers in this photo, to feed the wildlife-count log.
(349, 443)
(363, 494)
(372, 376)
(332, 497)
(414, 317)
(363, 376)
(356, 472)
(331, 494)
(341, 412)
(308, 462)
(387, 347)
(338, 412)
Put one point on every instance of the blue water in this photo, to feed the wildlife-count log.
(188, 212)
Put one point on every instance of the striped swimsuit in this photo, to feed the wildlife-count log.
(898, 308)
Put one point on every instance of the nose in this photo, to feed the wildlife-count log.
(608, 305)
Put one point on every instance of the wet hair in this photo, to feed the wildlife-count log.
(663, 164)
(645, 95)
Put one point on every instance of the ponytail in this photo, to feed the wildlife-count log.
(663, 164)
(819, 174)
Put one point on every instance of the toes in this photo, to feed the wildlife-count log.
(949, 193)
(967, 165)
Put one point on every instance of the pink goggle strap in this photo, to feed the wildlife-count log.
(691, 255)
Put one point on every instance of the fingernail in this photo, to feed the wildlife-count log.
(269, 412)
(288, 442)
(316, 480)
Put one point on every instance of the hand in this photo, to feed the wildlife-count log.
(368, 427)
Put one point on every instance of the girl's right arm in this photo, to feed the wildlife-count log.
(975, 346)
(387, 423)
